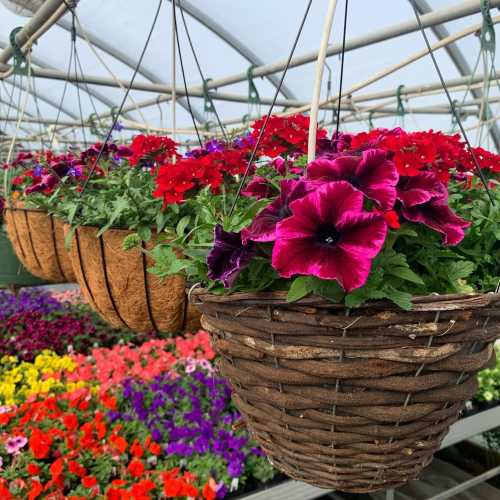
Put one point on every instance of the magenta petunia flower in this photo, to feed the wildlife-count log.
(14, 444)
(258, 188)
(330, 236)
(263, 227)
(424, 199)
(372, 173)
(419, 189)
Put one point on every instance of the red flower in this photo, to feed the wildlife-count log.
(392, 219)
(36, 490)
(70, 421)
(40, 443)
(136, 449)
(155, 449)
(208, 492)
(5, 493)
(33, 469)
(76, 468)
(56, 468)
(89, 481)
(152, 149)
(136, 468)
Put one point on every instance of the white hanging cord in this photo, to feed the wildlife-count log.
(320, 65)
(174, 93)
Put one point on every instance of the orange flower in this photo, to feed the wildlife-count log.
(136, 468)
(119, 443)
(155, 449)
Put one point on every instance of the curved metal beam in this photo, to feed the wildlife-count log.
(236, 44)
(42, 97)
(102, 98)
(126, 60)
(458, 60)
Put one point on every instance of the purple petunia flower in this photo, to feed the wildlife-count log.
(339, 238)
(263, 227)
(228, 257)
(372, 173)
(258, 188)
(14, 444)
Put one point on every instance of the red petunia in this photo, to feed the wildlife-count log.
(89, 481)
(76, 468)
(136, 468)
(33, 469)
(136, 449)
(36, 490)
(40, 443)
(70, 421)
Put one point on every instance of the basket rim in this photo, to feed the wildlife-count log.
(430, 302)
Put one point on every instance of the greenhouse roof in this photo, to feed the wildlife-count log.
(231, 37)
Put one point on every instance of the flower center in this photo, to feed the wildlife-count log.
(327, 234)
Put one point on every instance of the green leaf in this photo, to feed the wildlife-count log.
(301, 286)
(182, 225)
(401, 299)
(407, 274)
(166, 262)
(458, 270)
(144, 233)
(329, 289)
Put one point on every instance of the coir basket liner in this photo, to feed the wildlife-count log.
(38, 241)
(115, 282)
(353, 400)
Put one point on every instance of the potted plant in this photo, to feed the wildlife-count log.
(36, 236)
(117, 215)
(353, 310)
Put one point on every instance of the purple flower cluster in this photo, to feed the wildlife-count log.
(191, 416)
(28, 300)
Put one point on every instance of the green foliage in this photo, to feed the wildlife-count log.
(489, 382)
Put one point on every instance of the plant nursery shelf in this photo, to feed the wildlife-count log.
(461, 430)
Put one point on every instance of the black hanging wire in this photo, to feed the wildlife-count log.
(117, 115)
(79, 97)
(219, 122)
(337, 126)
(61, 101)
(452, 105)
(188, 100)
(264, 125)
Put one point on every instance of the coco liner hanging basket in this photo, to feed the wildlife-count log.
(353, 400)
(38, 241)
(115, 282)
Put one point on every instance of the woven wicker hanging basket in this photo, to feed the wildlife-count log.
(38, 241)
(352, 400)
(115, 282)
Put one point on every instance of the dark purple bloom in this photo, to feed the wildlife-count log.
(372, 173)
(228, 257)
(263, 227)
(214, 146)
(244, 141)
(38, 170)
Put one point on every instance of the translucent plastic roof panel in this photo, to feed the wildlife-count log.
(229, 36)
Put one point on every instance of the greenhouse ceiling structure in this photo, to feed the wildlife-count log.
(79, 59)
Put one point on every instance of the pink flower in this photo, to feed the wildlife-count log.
(263, 227)
(372, 173)
(420, 189)
(329, 236)
(424, 199)
(14, 444)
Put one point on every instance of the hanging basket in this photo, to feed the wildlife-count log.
(115, 282)
(352, 400)
(38, 240)
(12, 272)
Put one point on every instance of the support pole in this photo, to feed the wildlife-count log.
(318, 80)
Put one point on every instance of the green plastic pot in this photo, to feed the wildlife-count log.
(12, 272)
